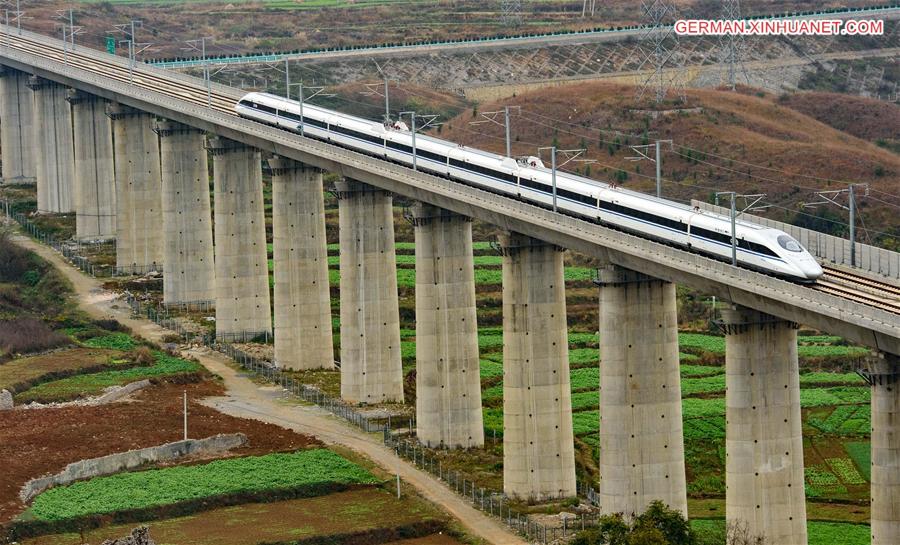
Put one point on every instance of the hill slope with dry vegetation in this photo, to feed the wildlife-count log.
(742, 141)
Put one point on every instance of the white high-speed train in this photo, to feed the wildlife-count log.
(758, 247)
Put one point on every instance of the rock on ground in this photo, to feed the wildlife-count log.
(6, 400)
(139, 536)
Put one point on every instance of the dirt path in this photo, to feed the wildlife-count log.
(249, 400)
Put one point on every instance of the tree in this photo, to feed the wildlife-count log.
(658, 525)
(671, 523)
(647, 536)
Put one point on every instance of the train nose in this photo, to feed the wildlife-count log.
(811, 269)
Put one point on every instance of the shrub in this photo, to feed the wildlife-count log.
(24, 335)
(16, 261)
(142, 356)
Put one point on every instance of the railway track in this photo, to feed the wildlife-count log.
(836, 282)
(141, 78)
(860, 289)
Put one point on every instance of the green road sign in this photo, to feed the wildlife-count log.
(111, 45)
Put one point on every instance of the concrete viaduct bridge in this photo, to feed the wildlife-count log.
(154, 173)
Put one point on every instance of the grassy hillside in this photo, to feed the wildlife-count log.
(865, 118)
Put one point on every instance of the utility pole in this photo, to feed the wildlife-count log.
(734, 214)
(372, 90)
(185, 416)
(287, 89)
(491, 117)
(316, 91)
(429, 122)
(129, 30)
(192, 46)
(412, 118)
(830, 197)
(571, 155)
(641, 156)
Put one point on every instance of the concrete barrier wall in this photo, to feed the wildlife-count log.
(826, 247)
(114, 463)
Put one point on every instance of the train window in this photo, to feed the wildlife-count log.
(398, 146)
(263, 107)
(246, 103)
(789, 244)
(531, 184)
(359, 135)
(478, 169)
(431, 155)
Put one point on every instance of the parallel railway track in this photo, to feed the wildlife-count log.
(859, 288)
(142, 78)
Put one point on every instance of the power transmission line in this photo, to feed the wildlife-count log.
(659, 16)
(732, 45)
(511, 13)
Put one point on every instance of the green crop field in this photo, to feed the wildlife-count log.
(844, 420)
(117, 341)
(585, 400)
(586, 422)
(861, 454)
(95, 383)
(491, 369)
(712, 532)
(703, 385)
(138, 490)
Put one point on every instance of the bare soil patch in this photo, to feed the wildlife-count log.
(33, 443)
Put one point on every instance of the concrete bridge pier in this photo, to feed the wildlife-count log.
(188, 267)
(448, 383)
(371, 370)
(884, 377)
(538, 448)
(303, 335)
(243, 308)
(641, 433)
(17, 131)
(139, 187)
(763, 439)
(95, 177)
(54, 150)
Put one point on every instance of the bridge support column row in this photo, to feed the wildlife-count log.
(95, 178)
(884, 376)
(139, 183)
(303, 334)
(17, 130)
(54, 151)
(188, 267)
(371, 370)
(448, 383)
(538, 448)
(243, 308)
(764, 440)
(641, 433)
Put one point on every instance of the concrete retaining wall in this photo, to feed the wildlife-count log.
(114, 463)
(826, 247)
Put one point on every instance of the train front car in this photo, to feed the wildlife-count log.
(804, 266)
